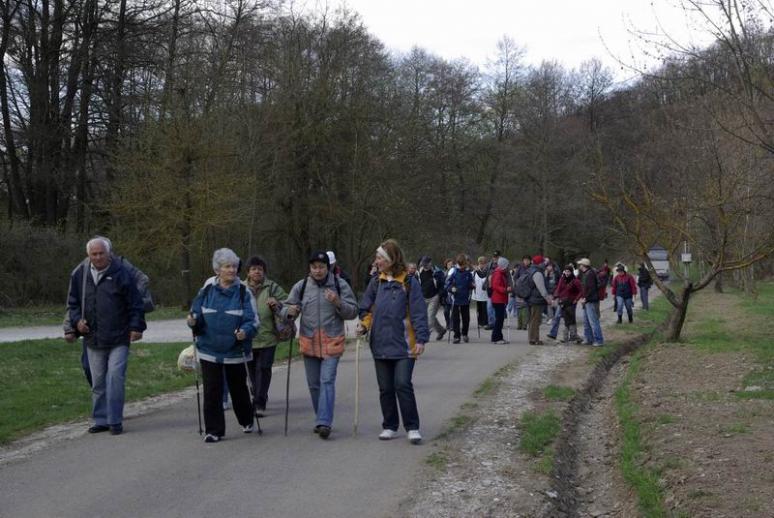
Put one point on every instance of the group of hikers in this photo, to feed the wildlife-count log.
(237, 324)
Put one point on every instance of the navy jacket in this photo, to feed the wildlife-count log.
(462, 280)
(114, 307)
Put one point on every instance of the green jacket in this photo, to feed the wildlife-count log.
(266, 336)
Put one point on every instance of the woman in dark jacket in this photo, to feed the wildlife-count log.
(393, 310)
(567, 293)
(459, 284)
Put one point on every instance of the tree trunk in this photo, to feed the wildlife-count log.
(719, 283)
(677, 319)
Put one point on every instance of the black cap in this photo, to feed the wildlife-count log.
(320, 256)
(497, 253)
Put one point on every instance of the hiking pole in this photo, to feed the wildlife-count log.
(196, 377)
(251, 391)
(287, 384)
(508, 319)
(357, 387)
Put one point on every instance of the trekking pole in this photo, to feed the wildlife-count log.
(251, 390)
(357, 388)
(196, 377)
(287, 384)
(508, 319)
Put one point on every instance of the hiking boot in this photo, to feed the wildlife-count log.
(116, 429)
(97, 428)
(620, 320)
(387, 434)
(414, 437)
(456, 341)
(211, 438)
(325, 431)
(440, 336)
(465, 339)
(248, 429)
(631, 318)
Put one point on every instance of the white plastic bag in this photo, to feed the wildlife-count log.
(186, 361)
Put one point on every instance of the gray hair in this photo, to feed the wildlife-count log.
(502, 262)
(99, 240)
(222, 257)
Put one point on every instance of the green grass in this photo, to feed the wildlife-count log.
(644, 480)
(538, 430)
(558, 393)
(41, 381)
(49, 315)
(437, 460)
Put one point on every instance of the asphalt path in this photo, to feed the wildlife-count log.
(161, 467)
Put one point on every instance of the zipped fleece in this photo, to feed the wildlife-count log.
(321, 333)
(396, 326)
(223, 314)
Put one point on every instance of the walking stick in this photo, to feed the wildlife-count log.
(287, 385)
(357, 387)
(196, 376)
(251, 390)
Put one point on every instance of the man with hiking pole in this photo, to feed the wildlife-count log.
(106, 309)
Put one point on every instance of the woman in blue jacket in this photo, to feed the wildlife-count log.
(459, 285)
(394, 311)
(224, 322)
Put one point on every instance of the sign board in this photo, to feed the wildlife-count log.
(686, 258)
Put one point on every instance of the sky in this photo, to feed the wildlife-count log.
(568, 31)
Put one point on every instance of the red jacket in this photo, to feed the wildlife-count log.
(499, 287)
(568, 290)
(624, 278)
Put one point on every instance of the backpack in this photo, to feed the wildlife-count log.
(284, 328)
(524, 285)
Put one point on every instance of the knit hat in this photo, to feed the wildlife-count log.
(503, 263)
(537, 260)
(320, 257)
(584, 262)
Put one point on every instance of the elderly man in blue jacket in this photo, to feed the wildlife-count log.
(106, 309)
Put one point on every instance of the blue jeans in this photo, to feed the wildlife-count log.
(555, 325)
(397, 391)
(108, 372)
(644, 297)
(622, 303)
(490, 313)
(591, 328)
(321, 379)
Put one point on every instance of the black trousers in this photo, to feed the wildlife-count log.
(260, 373)
(497, 332)
(481, 314)
(568, 314)
(394, 379)
(462, 311)
(212, 376)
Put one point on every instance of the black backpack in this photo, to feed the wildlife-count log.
(524, 285)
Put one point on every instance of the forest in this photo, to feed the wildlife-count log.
(176, 127)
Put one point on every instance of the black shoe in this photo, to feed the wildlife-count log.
(620, 320)
(551, 337)
(325, 431)
(440, 336)
(211, 438)
(116, 429)
(488, 327)
(456, 341)
(97, 428)
(465, 339)
(317, 428)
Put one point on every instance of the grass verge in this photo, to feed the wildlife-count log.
(41, 381)
(538, 430)
(53, 314)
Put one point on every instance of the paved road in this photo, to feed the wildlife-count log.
(161, 467)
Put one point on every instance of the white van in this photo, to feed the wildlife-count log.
(660, 258)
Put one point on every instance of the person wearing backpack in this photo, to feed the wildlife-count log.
(223, 320)
(459, 284)
(644, 282)
(532, 288)
(266, 293)
(590, 303)
(106, 309)
(624, 289)
(432, 280)
(520, 303)
(393, 309)
(324, 302)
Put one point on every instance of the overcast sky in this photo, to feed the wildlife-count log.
(569, 31)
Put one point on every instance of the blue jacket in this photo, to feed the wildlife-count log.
(396, 315)
(462, 280)
(113, 306)
(220, 312)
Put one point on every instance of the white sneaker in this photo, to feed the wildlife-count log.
(248, 429)
(387, 434)
(414, 436)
